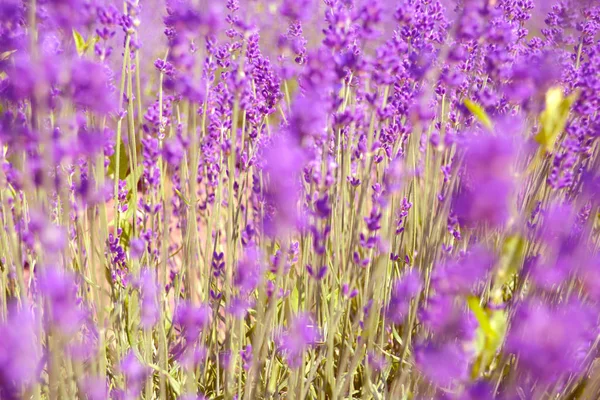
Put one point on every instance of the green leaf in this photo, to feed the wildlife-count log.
(479, 113)
(397, 336)
(125, 225)
(126, 220)
(554, 117)
(133, 179)
(480, 315)
(80, 44)
(172, 381)
(123, 163)
(510, 259)
(6, 54)
(489, 335)
(91, 42)
(293, 302)
(182, 197)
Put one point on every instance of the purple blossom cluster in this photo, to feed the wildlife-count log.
(325, 199)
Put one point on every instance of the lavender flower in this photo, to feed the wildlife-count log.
(284, 162)
(135, 373)
(249, 271)
(60, 290)
(95, 389)
(90, 87)
(448, 318)
(405, 289)
(299, 336)
(20, 353)
(297, 10)
(149, 298)
(445, 364)
(199, 197)
(552, 355)
(192, 320)
(462, 275)
(484, 195)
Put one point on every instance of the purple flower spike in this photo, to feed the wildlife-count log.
(284, 164)
(192, 320)
(405, 289)
(448, 318)
(552, 340)
(462, 275)
(444, 364)
(90, 87)
(301, 334)
(249, 272)
(20, 353)
(297, 9)
(484, 195)
(60, 290)
(149, 298)
(136, 248)
(135, 373)
(95, 388)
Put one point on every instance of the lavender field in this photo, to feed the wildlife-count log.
(300, 199)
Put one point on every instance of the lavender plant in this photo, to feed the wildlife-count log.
(321, 199)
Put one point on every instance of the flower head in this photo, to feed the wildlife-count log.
(60, 290)
(192, 319)
(462, 275)
(444, 364)
(249, 271)
(20, 352)
(404, 290)
(484, 195)
(90, 87)
(551, 340)
(301, 334)
(149, 298)
(284, 161)
(135, 373)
